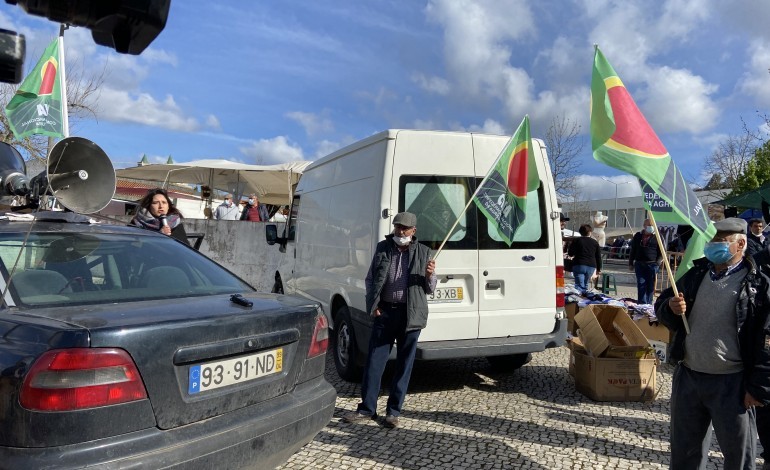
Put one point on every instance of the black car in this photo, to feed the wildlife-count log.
(124, 348)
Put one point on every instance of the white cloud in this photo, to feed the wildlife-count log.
(434, 84)
(677, 100)
(141, 108)
(490, 126)
(592, 187)
(756, 80)
(313, 123)
(213, 122)
(276, 150)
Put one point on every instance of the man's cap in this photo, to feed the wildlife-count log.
(407, 219)
(228, 196)
(563, 217)
(731, 225)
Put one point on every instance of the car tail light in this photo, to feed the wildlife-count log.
(559, 286)
(78, 378)
(320, 340)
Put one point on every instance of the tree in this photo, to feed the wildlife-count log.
(757, 171)
(728, 161)
(82, 101)
(563, 143)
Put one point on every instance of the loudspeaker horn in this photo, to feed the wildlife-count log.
(81, 175)
(13, 172)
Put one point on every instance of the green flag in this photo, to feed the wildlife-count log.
(502, 195)
(36, 108)
(622, 139)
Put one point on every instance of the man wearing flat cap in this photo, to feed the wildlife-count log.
(723, 364)
(227, 210)
(400, 277)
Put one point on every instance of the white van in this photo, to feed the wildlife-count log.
(491, 300)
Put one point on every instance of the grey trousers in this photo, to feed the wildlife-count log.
(698, 400)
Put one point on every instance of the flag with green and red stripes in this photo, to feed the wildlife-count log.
(36, 108)
(622, 139)
(502, 195)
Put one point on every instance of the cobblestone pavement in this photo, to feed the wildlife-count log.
(461, 414)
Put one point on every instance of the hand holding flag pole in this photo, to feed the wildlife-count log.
(668, 267)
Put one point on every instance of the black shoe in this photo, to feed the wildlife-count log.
(390, 421)
(355, 417)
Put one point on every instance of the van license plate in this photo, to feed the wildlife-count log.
(446, 294)
(218, 374)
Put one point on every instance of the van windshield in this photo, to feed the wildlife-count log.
(439, 200)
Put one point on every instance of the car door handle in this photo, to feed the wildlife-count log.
(493, 285)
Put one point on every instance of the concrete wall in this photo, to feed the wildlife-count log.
(240, 247)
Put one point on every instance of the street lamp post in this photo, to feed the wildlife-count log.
(616, 197)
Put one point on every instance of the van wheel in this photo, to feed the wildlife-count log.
(509, 362)
(345, 346)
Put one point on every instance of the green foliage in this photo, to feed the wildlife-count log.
(757, 171)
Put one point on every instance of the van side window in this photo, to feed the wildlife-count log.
(439, 200)
(291, 224)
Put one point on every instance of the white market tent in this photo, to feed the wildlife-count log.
(272, 183)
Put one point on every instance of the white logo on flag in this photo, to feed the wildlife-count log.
(42, 110)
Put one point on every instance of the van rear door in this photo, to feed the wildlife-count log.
(516, 284)
(431, 178)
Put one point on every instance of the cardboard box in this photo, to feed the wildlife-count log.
(654, 332)
(571, 309)
(612, 379)
(608, 331)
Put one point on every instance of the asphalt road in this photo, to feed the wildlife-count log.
(460, 414)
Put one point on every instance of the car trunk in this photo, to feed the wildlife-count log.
(180, 347)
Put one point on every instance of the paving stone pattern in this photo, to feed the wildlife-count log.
(461, 414)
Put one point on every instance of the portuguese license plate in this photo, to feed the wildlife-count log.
(446, 294)
(211, 375)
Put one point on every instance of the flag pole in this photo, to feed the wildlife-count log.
(65, 122)
(470, 200)
(668, 267)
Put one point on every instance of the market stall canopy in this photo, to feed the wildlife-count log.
(272, 183)
(750, 200)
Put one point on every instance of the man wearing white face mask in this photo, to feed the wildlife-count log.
(401, 276)
(645, 259)
(254, 211)
(723, 364)
(227, 210)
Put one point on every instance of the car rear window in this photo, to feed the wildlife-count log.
(96, 268)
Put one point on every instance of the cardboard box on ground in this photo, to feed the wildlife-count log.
(612, 360)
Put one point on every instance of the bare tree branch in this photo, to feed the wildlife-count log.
(563, 143)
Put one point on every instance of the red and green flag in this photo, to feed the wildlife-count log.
(502, 195)
(622, 139)
(36, 108)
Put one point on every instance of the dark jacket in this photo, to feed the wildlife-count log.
(751, 316)
(644, 254)
(263, 215)
(754, 245)
(418, 286)
(180, 234)
(586, 252)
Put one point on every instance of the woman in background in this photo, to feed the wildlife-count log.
(586, 258)
(157, 212)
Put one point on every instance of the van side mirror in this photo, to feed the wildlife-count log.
(271, 235)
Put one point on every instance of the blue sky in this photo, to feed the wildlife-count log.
(269, 82)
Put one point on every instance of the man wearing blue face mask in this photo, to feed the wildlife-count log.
(723, 364)
(644, 260)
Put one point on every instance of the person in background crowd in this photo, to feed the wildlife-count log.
(723, 364)
(758, 241)
(254, 211)
(228, 210)
(565, 232)
(157, 212)
(645, 259)
(586, 258)
(400, 277)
